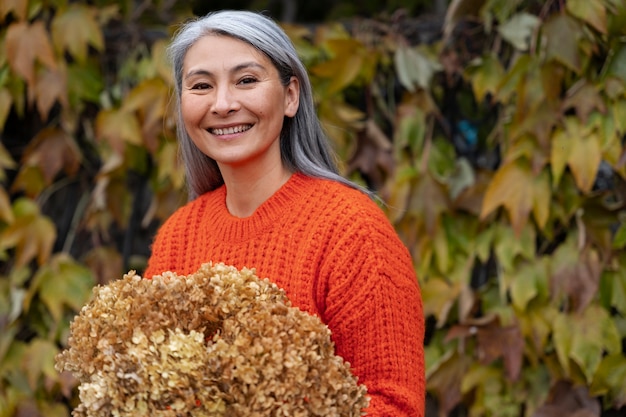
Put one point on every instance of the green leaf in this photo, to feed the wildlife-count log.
(609, 380)
(584, 339)
(591, 11)
(508, 245)
(561, 36)
(530, 280)
(518, 30)
(619, 239)
(63, 283)
(38, 360)
(86, 84)
(485, 74)
(414, 68)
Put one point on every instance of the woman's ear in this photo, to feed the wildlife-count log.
(292, 96)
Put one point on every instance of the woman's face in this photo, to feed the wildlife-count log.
(233, 102)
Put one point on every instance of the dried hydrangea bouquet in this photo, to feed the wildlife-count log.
(220, 342)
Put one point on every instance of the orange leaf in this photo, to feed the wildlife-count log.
(53, 150)
(19, 8)
(75, 29)
(51, 87)
(26, 44)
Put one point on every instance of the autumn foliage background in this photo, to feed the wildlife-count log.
(494, 133)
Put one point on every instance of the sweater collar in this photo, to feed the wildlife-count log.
(267, 215)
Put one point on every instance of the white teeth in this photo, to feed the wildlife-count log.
(230, 130)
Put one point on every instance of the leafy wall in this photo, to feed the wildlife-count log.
(497, 145)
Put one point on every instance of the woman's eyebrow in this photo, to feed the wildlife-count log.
(235, 69)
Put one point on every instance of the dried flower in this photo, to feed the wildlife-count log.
(220, 342)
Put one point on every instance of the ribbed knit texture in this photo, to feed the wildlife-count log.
(336, 255)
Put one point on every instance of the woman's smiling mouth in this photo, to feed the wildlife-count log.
(229, 130)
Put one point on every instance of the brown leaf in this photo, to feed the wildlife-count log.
(585, 98)
(428, 200)
(27, 44)
(106, 263)
(566, 400)
(373, 157)
(576, 275)
(445, 382)
(53, 150)
(496, 342)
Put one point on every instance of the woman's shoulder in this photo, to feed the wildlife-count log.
(347, 204)
(195, 208)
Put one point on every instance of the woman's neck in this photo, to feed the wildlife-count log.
(246, 191)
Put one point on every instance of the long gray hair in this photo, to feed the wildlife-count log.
(304, 146)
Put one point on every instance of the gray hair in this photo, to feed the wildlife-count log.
(304, 146)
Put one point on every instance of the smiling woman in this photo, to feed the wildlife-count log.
(265, 193)
(232, 107)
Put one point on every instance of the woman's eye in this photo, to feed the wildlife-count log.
(200, 86)
(247, 80)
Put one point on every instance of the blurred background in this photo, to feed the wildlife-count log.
(493, 130)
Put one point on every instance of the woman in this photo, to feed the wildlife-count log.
(265, 194)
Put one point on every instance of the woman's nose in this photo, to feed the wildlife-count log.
(224, 101)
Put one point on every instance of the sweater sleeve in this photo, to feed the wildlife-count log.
(374, 310)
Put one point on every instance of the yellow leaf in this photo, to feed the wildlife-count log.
(169, 167)
(149, 99)
(31, 234)
(512, 187)
(6, 214)
(6, 101)
(75, 29)
(585, 153)
(344, 66)
(542, 196)
(26, 44)
(591, 11)
(117, 126)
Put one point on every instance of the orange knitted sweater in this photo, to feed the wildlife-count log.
(336, 255)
